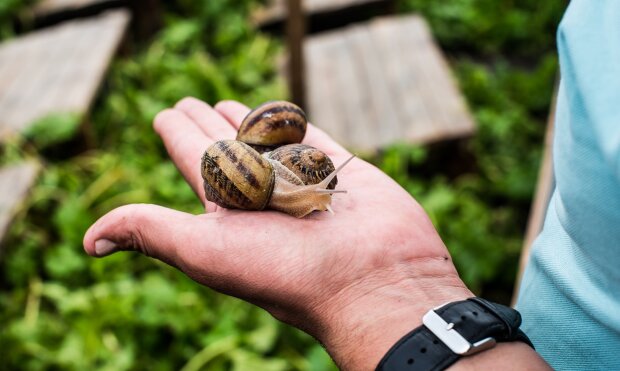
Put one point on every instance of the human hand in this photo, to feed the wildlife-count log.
(357, 280)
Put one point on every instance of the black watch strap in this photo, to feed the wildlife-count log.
(452, 331)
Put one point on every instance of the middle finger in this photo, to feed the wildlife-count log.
(206, 118)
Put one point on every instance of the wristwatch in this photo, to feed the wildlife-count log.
(452, 331)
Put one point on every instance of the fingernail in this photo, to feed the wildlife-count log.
(104, 247)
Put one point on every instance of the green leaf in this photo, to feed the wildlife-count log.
(244, 360)
(263, 338)
(53, 129)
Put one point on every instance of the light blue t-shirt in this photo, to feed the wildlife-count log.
(570, 294)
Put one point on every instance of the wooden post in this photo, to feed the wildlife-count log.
(544, 189)
(390, 7)
(148, 16)
(295, 30)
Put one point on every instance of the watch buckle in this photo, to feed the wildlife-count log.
(452, 338)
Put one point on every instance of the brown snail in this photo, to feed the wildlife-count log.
(277, 129)
(309, 164)
(273, 124)
(237, 176)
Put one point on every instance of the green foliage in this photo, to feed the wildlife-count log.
(9, 14)
(521, 28)
(60, 309)
(53, 129)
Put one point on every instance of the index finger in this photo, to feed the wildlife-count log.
(185, 143)
(235, 112)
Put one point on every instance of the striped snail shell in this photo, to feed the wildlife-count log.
(308, 163)
(273, 124)
(236, 176)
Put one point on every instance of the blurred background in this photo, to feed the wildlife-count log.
(76, 141)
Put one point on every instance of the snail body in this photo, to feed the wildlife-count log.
(273, 124)
(236, 176)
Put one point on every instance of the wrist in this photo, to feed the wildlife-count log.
(362, 322)
(504, 356)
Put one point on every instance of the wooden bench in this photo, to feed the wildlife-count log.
(15, 182)
(57, 69)
(45, 8)
(275, 11)
(146, 14)
(380, 82)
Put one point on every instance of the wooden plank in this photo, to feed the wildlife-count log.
(325, 106)
(404, 85)
(45, 8)
(343, 115)
(15, 182)
(57, 69)
(395, 76)
(147, 14)
(362, 119)
(542, 195)
(425, 70)
(275, 10)
(384, 126)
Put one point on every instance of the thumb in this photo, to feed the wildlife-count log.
(152, 230)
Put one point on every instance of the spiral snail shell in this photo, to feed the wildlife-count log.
(273, 124)
(294, 178)
(236, 176)
(307, 162)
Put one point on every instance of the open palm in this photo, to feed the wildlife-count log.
(326, 274)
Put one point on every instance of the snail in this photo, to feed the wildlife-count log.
(273, 124)
(309, 164)
(276, 128)
(236, 176)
